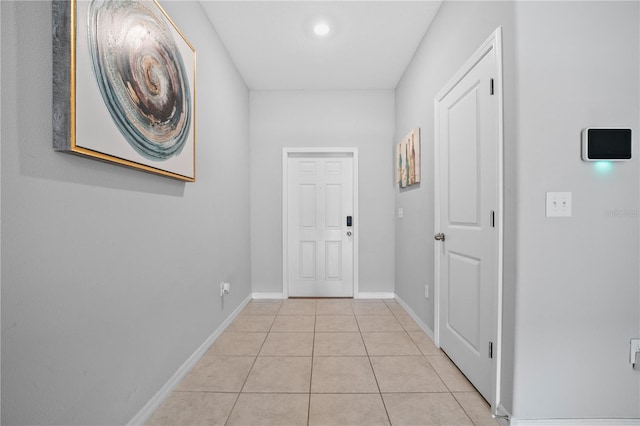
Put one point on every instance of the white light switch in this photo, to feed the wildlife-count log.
(400, 213)
(558, 204)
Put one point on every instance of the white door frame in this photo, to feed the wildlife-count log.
(493, 42)
(288, 152)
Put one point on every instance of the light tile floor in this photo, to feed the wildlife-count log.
(324, 362)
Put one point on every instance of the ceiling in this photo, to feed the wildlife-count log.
(273, 45)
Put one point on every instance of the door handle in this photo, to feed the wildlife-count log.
(439, 237)
(348, 233)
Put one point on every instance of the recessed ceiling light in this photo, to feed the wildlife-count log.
(321, 29)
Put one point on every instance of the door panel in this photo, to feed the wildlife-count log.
(333, 259)
(308, 207)
(307, 260)
(320, 198)
(333, 207)
(464, 296)
(463, 176)
(468, 192)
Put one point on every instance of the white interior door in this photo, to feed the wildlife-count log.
(468, 199)
(320, 244)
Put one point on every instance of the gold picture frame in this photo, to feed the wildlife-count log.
(124, 86)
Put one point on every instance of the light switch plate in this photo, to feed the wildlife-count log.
(558, 204)
(400, 213)
(635, 348)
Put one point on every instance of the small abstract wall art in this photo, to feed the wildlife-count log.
(124, 86)
(408, 159)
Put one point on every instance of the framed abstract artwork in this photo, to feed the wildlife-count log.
(124, 86)
(408, 159)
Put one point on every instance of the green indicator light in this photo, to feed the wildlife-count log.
(603, 167)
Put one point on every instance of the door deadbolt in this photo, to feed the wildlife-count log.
(439, 237)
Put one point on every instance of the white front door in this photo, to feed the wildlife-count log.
(467, 240)
(320, 244)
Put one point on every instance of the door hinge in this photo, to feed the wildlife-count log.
(491, 90)
(490, 349)
(493, 219)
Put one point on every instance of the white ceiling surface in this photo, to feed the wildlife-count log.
(273, 45)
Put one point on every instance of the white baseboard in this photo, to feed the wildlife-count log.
(278, 296)
(503, 415)
(381, 295)
(259, 296)
(416, 318)
(153, 404)
(575, 422)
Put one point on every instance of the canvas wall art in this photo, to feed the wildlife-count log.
(124, 86)
(408, 159)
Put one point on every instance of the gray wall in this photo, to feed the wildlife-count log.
(572, 299)
(110, 275)
(362, 119)
(578, 295)
(455, 34)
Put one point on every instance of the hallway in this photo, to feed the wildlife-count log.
(324, 362)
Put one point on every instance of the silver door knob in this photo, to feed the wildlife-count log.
(439, 237)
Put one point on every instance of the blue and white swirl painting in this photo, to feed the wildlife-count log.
(141, 76)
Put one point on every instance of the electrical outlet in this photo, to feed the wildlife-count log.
(225, 288)
(426, 291)
(635, 348)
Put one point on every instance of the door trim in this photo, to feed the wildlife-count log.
(493, 42)
(289, 152)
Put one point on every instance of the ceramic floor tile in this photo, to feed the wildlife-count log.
(336, 323)
(389, 343)
(450, 375)
(298, 307)
(288, 344)
(270, 409)
(218, 374)
(424, 343)
(261, 309)
(279, 374)
(424, 409)
(342, 375)
(347, 409)
(238, 344)
(371, 309)
(368, 323)
(338, 344)
(294, 323)
(396, 308)
(194, 408)
(251, 323)
(406, 374)
(478, 410)
(407, 322)
(334, 307)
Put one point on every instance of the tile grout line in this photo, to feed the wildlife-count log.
(313, 346)
(463, 409)
(250, 370)
(373, 371)
(449, 391)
